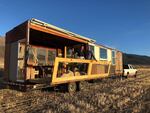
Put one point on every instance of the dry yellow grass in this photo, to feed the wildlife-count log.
(106, 96)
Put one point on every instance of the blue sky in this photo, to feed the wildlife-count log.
(122, 24)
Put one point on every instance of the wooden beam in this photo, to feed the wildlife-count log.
(65, 51)
(60, 80)
(72, 60)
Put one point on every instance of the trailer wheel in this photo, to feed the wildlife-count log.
(82, 85)
(91, 81)
(72, 87)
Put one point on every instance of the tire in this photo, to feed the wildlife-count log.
(72, 87)
(127, 75)
(91, 81)
(135, 75)
(81, 85)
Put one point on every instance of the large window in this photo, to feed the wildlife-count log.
(31, 57)
(103, 53)
(41, 56)
(51, 56)
(113, 57)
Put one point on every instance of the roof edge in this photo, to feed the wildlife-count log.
(41, 23)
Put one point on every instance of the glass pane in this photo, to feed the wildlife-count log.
(113, 61)
(103, 53)
(113, 57)
(51, 56)
(113, 54)
(31, 54)
(41, 56)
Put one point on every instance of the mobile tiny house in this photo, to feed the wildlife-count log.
(40, 53)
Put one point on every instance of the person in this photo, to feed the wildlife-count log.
(90, 54)
(71, 53)
(82, 52)
(82, 55)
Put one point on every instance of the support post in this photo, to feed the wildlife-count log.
(26, 49)
(65, 53)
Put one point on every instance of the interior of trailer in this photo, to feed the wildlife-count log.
(42, 51)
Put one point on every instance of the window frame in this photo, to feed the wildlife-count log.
(113, 57)
(50, 62)
(101, 54)
(39, 51)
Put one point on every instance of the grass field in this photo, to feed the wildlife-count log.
(106, 96)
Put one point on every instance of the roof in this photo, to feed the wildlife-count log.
(108, 47)
(49, 26)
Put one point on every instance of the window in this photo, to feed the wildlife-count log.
(103, 53)
(131, 67)
(31, 55)
(41, 56)
(113, 57)
(51, 56)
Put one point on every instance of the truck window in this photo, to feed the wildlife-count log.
(131, 67)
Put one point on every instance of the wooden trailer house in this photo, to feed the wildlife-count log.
(40, 54)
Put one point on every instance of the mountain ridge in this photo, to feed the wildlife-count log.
(136, 59)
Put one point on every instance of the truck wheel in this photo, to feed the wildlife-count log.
(72, 87)
(135, 75)
(127, 75)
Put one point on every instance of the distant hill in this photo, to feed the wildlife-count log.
(136, 59)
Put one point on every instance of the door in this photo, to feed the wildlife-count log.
(21, 56)
(13, 61)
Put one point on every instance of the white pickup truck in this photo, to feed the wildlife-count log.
(128, 70)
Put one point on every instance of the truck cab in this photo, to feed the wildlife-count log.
(129, 70)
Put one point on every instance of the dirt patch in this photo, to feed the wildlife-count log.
(106, 96)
